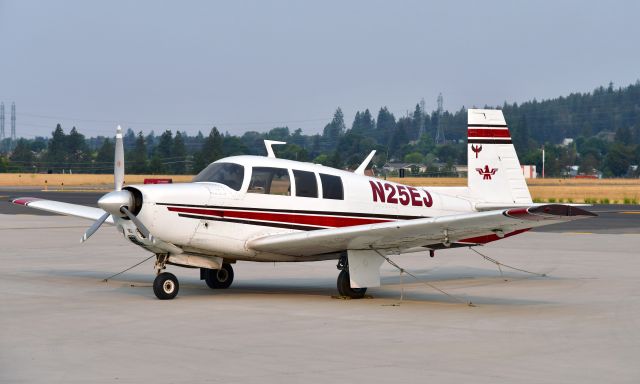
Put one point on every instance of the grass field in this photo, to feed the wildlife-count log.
(559, 190)
(58, 181)
(547, 190)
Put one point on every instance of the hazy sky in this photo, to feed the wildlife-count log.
(253, 65)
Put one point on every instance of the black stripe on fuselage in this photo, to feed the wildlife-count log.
(252, 222)
(489, 141)
(325, 213)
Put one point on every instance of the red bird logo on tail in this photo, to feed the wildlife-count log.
(486, 173)
(476, 149)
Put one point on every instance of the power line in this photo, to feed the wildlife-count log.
(39, 116)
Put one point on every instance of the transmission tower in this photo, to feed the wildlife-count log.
(421, 122)
(1, 121)
(440, 139)
(13, 123)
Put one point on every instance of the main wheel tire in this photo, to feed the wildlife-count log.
(166, 286)
(219, 278)
(344, 286)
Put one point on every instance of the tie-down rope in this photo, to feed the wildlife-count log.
(402, 271)
(500, 265)
(131, 267)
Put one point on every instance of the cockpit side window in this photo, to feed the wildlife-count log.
(332, 187)
(270, 181)
(306, 184)
(229, 174)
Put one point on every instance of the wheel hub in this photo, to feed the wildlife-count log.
(168, 286)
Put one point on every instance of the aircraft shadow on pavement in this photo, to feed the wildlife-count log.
(453, 282)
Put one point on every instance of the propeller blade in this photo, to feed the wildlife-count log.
(143, 230)
(118, 161)
(92, 229)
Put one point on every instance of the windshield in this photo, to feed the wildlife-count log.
(229, 174)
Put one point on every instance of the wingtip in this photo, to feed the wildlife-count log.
(24, 200)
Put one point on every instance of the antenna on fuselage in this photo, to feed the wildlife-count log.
(363, 166)
(269, 143)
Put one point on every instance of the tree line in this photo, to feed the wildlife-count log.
(605, 126)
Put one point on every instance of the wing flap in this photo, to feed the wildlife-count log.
(90, 213)
(418, 232)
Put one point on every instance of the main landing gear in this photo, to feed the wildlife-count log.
(218, 278)
(166, 286)
(344, 281)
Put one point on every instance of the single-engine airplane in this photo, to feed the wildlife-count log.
(265, 209)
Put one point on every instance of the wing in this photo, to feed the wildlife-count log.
(59, 207)
(470, 228)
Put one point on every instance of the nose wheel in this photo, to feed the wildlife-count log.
(166, 286)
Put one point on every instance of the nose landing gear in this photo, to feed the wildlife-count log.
(165, 285)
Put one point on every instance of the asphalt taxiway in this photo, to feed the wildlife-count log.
(278, 323)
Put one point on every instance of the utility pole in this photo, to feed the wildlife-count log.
(13, 123)
(1, 121)
(543, 161)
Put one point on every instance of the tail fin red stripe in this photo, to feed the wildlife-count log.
(487, 133)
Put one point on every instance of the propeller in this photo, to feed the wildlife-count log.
(118, 161)
(115, 202)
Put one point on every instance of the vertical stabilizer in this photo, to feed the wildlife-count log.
(494, 171)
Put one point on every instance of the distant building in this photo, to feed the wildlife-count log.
(607, 136)
(570, 171)
(567, 142)
(529, 171)
(407, 167)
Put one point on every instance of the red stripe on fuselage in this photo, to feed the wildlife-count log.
(320, 221)
(487, 133)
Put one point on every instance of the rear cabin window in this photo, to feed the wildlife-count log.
(306, 184)
(331, 187)
(229, 174)
(270, 181)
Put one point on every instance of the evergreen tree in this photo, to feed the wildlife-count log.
(22, 157)
(76, 148)
(211, 150)
(162, 153)
(385, 127)
(333, 130)
(150, 140)
(179, 155)
(129, 140)
(105, 156)
(56, 149)
(363, 123)
(137, 159)
(520, 134)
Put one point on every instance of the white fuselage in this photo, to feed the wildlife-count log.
(212, 219)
